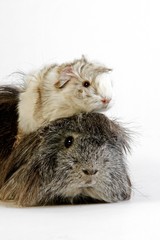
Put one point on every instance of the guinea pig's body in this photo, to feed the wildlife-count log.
(72, 160)
(9, 98)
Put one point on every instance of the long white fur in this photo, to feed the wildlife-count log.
(42, 102)
(105, 88)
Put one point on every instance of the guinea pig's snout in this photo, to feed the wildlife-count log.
(89, 171)
(105, 100)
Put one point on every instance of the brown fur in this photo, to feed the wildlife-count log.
(8, 119)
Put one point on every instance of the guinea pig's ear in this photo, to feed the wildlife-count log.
(64, 76)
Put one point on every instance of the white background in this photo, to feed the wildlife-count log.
(124, 35)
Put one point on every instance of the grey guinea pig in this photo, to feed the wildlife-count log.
(80, 159)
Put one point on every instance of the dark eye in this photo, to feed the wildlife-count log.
(68, 141)
(86, 84)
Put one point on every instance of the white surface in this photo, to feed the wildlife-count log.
(125, 36)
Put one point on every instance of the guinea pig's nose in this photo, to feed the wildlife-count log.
(90, 171)
(105, 100)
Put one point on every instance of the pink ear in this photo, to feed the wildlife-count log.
(65, 76)
(66, 72)
(67, 69)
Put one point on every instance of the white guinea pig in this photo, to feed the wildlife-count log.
(58, 91)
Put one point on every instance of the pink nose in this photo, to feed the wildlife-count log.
(105, 100)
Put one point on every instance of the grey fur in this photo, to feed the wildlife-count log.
(44, 170)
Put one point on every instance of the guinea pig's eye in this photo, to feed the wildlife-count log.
(68, 141)
(86, 84)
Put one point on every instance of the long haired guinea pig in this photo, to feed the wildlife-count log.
(58, 91)
(80, 159)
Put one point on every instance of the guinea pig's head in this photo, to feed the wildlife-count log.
(83, 85)
(89, 161)
(74, 160)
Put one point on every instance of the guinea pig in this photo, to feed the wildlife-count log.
(79, 159)
(58, 91)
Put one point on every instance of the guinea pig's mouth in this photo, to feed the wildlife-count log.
(88, 183)
(91, 191)
(107, 106)
(103, 107)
